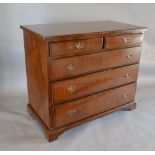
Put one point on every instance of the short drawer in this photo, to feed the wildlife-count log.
(87, 85)
(123, 41)
(75, 46)
(92, 105)
(81, 65)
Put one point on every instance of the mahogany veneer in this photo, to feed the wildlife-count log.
(77, 72)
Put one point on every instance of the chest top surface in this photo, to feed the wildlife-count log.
(48, 31)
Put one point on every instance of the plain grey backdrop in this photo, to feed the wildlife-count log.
(119, 131)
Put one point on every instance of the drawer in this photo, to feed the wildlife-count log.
(123, 41)
(93, 105)
(80, 65)
(75, 46)
(87, 85)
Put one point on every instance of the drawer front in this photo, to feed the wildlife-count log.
(123, 41)
(93, 83)
(80, 65)
(92, 105)
(75, 46)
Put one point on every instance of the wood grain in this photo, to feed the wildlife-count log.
(81, 30)
(37, 75)
(69, 47)
(54, 133)
(123, 41)
(92, 105)
(93, 83)
(93, 62)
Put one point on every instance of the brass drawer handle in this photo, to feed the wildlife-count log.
(125, 39)
(127, 75)
(125, 96)
(71, 113)
(129, 56)
(71, 89)
(70, 67)
(78, 45)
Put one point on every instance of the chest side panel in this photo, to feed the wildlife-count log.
(37, 75)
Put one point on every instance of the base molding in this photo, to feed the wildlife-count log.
(53, 133)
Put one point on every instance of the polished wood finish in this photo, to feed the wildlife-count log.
(71, 31)
(53, 134)
(93, 62)
(93, 83)
(92, 105)
(123, 41)
(78, 72)
(37, 75)
(75, 46)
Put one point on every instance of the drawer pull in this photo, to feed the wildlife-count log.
(71, 112)
(129, 56)
(71, 67)
(78, 45)
(125, 96)
(127, 76)
(125, 39)
(71, 89)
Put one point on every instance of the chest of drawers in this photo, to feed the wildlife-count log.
(77, 72)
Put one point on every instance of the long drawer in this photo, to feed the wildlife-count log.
(81, 65)
(89, 106)
(86, 85)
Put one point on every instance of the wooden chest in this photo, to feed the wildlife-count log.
(77, 72)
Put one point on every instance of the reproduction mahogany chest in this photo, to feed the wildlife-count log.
(77, 72)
